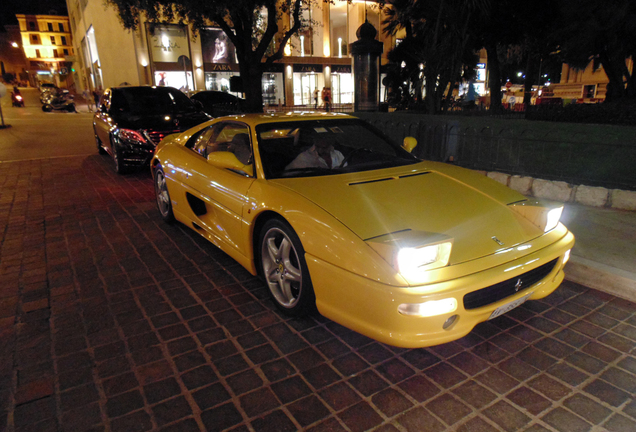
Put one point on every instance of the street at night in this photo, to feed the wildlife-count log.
(112, 320)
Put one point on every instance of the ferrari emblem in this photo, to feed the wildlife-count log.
(518, 284)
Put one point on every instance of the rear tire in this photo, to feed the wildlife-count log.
(283, 267)
(47, 108)
(164, 204)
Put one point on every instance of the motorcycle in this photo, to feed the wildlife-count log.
(17, 100)
(62, 101)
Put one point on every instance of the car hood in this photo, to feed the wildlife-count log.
(425, 198)
(160, 122)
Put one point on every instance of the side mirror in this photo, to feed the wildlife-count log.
(409, 144)
(228, 160)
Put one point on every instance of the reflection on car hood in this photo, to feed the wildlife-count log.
(430, 197)
(160, 122)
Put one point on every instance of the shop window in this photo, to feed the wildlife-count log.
(52, 40)
(61, 26)
(50, 26)
(64, 40)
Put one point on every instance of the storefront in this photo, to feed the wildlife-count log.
(170, 58)
(341, 84)
(219, 60)
(273, 84)
(306, 79)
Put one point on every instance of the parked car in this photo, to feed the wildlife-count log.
(331, 214)
(131, 121)
(217, 103)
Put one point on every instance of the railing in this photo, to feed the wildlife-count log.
(611, 163)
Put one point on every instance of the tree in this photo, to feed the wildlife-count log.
(604, 33)
(251, 25)
(439, 36)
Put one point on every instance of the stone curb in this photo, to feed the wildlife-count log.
(616, 199)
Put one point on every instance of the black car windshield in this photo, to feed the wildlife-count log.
(150, 100)
(326, 147)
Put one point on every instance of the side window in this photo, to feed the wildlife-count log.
(235, 138)
(224, 136)
(199, 142)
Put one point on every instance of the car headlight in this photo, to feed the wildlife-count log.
(543, 214)
(414, 260)
(132, 136)
(553, 218)
(413, 253)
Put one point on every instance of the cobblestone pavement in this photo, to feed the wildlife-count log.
(112, 320)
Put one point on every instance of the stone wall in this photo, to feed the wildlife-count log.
(565, 192)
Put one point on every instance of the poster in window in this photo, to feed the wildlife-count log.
(217, 47)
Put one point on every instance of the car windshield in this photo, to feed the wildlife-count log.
(151, 100)
(326, 147)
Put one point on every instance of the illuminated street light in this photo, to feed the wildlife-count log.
(14, 44)
(519, 74)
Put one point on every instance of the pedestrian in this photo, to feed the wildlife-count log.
(97, 94)
(87, 98)
(327, 99)
(316, 98)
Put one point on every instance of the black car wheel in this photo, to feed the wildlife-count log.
(98, 142)
(284, 269)
(163, 197)
(120, 167)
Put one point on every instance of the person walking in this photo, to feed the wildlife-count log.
(326, 98)
(316, 98)
(87, 98)
(97, 94)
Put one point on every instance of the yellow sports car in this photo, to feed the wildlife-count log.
(333, 215)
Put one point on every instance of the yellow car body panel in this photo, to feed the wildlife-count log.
(337, 217)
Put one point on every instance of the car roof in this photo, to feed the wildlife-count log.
(262, 118)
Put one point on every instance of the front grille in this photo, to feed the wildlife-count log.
(157, 136)
(494, 293)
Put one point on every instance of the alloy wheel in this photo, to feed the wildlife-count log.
(281, 267)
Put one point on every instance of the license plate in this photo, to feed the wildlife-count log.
(509, 306)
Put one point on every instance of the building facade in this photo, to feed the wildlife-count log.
(13, 64)
(48, 47)
(170, 54)
(587, 85)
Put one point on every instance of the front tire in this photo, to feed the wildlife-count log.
(47, 108)
(120, 167)
(98, 142)
(284, 269)
(164, 204)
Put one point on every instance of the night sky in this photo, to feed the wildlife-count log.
(8, 9)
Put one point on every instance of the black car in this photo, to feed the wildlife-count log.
(131, 121)
(217, 103)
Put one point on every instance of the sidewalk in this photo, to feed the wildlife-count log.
(604, 256)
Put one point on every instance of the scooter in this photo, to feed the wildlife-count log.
(62, 102)
(17, 100)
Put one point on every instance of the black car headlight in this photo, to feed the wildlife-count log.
(132, 137)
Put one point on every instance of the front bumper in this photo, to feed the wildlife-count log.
(371, 308)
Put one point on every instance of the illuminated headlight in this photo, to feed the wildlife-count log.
(132, 136)
(566, 256)
(429, 308)
(414, 260)
(553, 218)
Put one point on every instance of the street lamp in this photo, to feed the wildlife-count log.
(14, 44)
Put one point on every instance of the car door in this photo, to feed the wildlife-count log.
(102, 121)
(218, 196)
